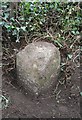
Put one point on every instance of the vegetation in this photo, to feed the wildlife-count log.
(28, 20)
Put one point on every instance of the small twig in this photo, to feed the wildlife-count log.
(35, 39)
(50, 34)
(26, 38)
(9, 54)
(61, 82)
(9, 83)
(18, 22)
(56, 87)
(58, 93)
(38, 39)
(16, 10)
(73, 43)
(48, 97)
(4, 19)
(75, 57)
(7, 51)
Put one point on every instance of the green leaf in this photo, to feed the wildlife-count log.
(14, 32)
(1, 23)
(12, 19)
(23, 28)
(17, 28)
(6, 15)
(77, 32)
(73, 32)
(81, 93)
(69, 56)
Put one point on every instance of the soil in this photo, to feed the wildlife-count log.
(63, 101)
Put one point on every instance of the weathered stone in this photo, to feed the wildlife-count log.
(38, 66)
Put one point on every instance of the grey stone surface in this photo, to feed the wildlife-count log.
(38, 66)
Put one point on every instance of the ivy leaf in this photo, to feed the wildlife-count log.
(14, 32)
(77, 32)
(73, 32)
(12, 19)
(6, 15)
(69, 56)
(18, 29)
(23, 28)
